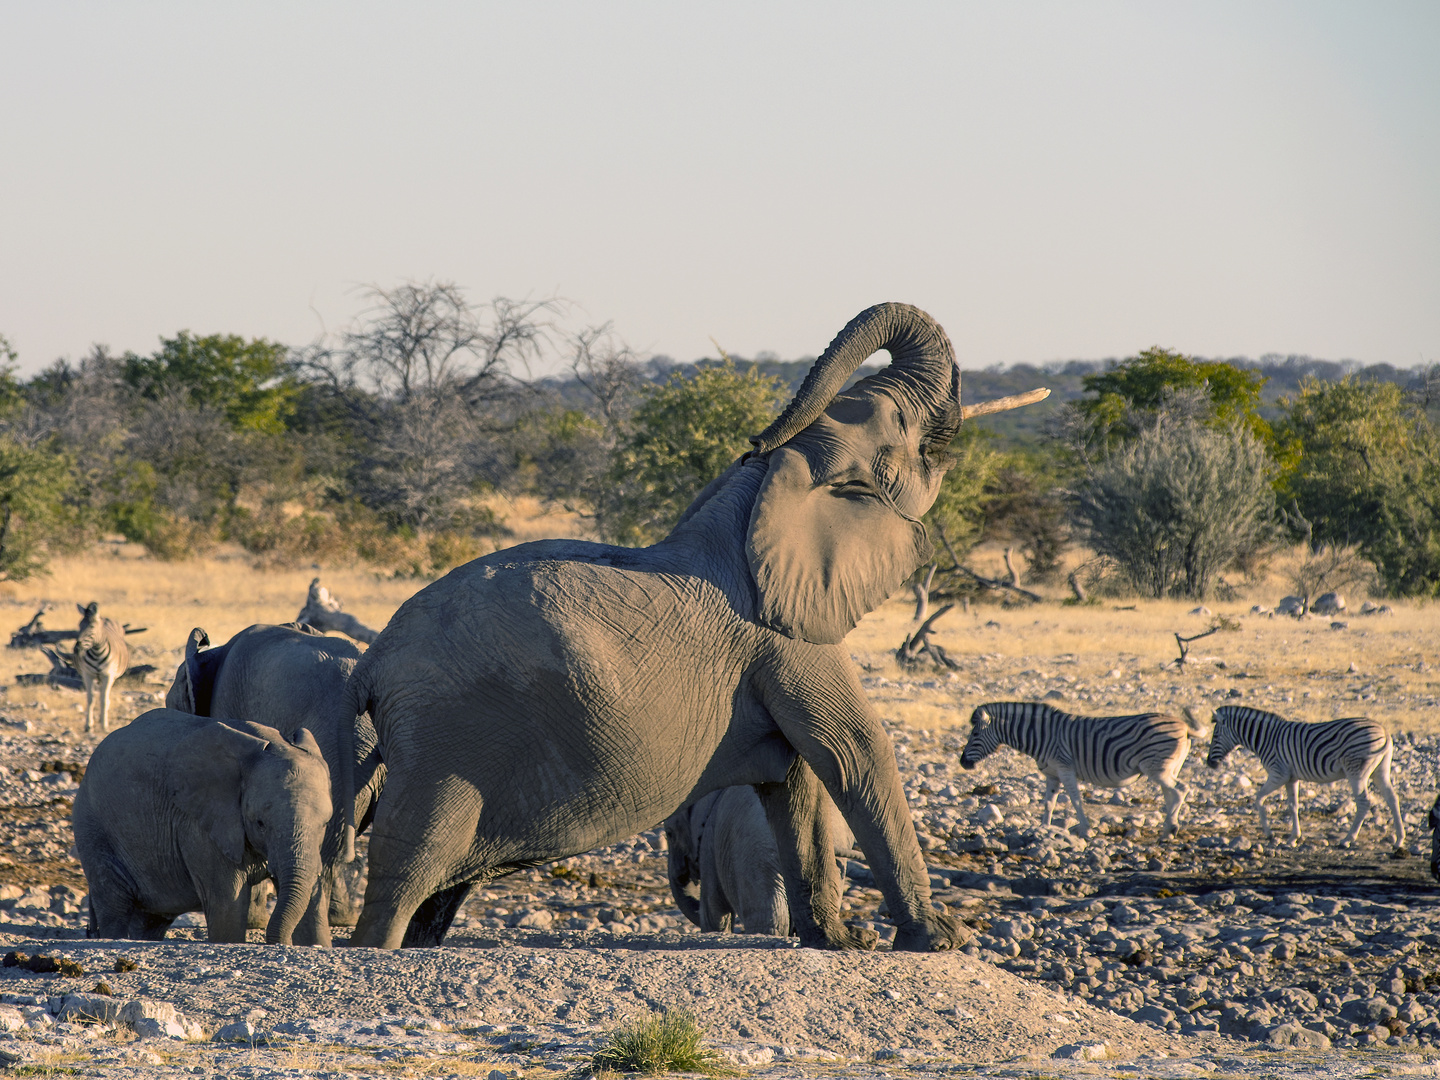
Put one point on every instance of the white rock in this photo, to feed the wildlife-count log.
(10, 1018)
(153, 1019)
(991, 815)
(1330, 603)
(92, 1008)
(1083, 1051)
(1291, 605)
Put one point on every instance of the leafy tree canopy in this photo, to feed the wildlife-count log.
(1369, 474)
(1145, 384)
(249, 381)
(685, 433)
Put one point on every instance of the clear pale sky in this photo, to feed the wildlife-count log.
(1050, 180)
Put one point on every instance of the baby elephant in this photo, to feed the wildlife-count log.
(724, 842)
(179, 812)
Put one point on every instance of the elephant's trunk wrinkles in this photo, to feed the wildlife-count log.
(922, 372)
(295, 886)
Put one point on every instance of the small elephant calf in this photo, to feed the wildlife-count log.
(180, 813)
(724, 842)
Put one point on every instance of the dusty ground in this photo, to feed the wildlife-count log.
(1225, 945)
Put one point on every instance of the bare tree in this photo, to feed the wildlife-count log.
(610, 371)
(425, 338)
(1328, 568)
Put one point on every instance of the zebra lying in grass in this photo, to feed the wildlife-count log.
(1292, 750)
(1110, 751)
(101, 656)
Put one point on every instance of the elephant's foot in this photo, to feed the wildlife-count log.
(938, 933)
(840, 938)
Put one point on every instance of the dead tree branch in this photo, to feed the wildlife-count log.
(918, 645)
(1184, 643)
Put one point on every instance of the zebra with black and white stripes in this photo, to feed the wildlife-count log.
(1110, 751)
(101, 656)
(1353, 749)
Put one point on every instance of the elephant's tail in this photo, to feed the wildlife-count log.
(355, 701)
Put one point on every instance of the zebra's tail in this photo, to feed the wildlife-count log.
(1198, 728)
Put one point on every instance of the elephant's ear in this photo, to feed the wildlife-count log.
(824, 555)
(204, 780)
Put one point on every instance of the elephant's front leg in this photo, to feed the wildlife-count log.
(225, 900)
(314, 926)
(807, 861)
(815, 699)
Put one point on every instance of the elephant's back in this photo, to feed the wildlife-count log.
(537, 611)
(132, 758)
(282, 678)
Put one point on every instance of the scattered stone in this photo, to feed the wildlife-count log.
(1290, 605)
(1330, 603)
(89, 1009)
(1291, 1034)
(1083, 1051)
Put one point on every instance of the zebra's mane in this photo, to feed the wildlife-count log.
(1030, 711)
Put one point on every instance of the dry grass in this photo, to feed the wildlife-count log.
(224, 593)
(1134, 638)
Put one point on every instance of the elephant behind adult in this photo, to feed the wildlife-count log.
(181, 813)
(288, 677)
(560, 695)
(723, 843)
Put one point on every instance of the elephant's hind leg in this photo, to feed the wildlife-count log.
(807, 861)
(432, 918)
(419, 845)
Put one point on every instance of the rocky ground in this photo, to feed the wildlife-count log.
(1215, 953)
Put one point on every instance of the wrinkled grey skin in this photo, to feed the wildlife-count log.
(560, 696)
(723, 843)
(182, 813)
(289, 677)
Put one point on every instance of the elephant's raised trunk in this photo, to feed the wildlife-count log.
(921, 373)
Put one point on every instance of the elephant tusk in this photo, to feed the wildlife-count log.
(1014, 401)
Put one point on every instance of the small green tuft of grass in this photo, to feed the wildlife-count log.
(660, 1043)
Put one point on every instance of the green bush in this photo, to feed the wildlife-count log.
(1369, 474)
(685, 433)
(660, 1043)
(36, 519)
(1176, 505)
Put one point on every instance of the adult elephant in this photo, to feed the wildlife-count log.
(288, 677)
(560, 695)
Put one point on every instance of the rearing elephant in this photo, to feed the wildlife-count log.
(560, 695)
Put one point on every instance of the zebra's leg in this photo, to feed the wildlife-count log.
(89, 700)
(106, 681)
(1387, 790)
(1174, 794)
(1272, 784)
(1292, 791)
(1072, 788)
(1360, 785)
(1052, 793)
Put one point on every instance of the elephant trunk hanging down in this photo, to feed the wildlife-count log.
(561, 695)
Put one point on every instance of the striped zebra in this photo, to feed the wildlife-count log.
(101, 656)
(1110, 751)
(1293, 750)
